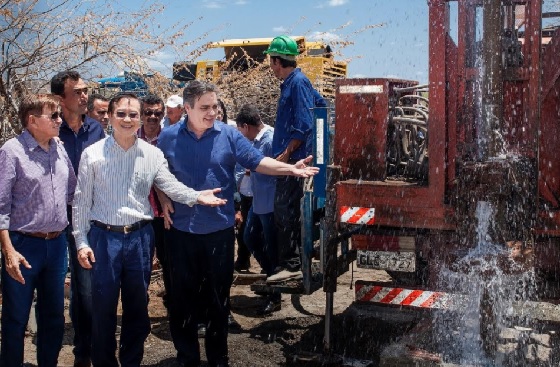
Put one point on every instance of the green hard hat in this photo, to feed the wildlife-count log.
(283, 45)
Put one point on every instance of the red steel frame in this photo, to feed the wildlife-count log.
(531, 121)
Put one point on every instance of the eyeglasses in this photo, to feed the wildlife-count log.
(81, 91)
(55, 116)
(132, 115)
(153, 113)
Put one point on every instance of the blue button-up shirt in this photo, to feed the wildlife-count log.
(90, 132)
(294, 116)
(207, 163)
(263, 186)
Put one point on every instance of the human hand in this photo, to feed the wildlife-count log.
(207, 197)
(238, 218)
(167, 209)
(86, 257)
(13, 260)
(301, 168)
(302, 163)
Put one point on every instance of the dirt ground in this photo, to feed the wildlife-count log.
(296, 329)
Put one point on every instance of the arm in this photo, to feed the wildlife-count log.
(269, 166)
(166, 207)
(292, 146)
(177, 191)
(81, 208)
(12, 258)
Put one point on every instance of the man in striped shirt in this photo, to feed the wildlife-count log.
(36, 184)
(112, 226)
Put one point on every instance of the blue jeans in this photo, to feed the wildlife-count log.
(80, 302)
(201, 268)
(260, 237)
(123, 263)
(49, 262)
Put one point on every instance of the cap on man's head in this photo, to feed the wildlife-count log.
(174, 101)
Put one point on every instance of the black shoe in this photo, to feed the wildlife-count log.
(270, 307)
(242, 265)
(232, 323)
(201, 330)
(82, 362)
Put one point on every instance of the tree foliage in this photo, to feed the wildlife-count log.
(40, 38)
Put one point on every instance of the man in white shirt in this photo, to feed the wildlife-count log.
(112, 226)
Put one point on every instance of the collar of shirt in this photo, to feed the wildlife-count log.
(288, 80)
(142, 135)
(112, 144)
(263, 131)
(217, 126)
(31, 143)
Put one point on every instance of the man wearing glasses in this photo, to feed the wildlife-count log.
(112, 220)
(36, 184)
(77, 132)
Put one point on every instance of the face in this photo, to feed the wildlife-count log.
(125, 118)
(276, 67)
(46, 125)
(220, 114)
(203, 114)
(151, 117)
(75, 96)
(174, 114)
(99, 112)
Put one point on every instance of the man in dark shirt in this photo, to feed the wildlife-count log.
(77, 132)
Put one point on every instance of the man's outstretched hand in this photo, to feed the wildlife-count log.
(208, 197)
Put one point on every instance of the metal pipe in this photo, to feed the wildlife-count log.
(489, 135)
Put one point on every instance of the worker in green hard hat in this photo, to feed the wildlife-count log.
(292, 129)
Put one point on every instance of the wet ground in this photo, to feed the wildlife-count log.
(277, 340)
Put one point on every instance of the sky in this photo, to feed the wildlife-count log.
(396, 47)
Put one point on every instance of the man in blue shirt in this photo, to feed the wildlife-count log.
(260, 231)
(202, 153)
(77, 132)
(292, 129)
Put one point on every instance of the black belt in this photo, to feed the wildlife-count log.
(43, 235)
(121, 229)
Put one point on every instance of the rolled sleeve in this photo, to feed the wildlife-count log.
(83, 202)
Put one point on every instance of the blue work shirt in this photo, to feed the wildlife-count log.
(263, 186)
(90, 132)
(207, 163)
(294, 116)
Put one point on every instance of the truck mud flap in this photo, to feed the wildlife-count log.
(385, 295)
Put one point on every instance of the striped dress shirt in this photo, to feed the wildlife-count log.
(114, 184)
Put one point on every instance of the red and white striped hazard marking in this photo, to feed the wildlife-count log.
(357, 215)
(414, 298)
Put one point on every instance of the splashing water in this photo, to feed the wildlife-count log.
(470, 335)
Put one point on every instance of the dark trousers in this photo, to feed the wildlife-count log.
(80, 301)
(243, 253)
(49, 264)
(201, 267)
(161, 253)
(287, 215)
(123, 263)
(260, 238)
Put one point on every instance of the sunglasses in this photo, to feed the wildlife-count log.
(55, 116)
(153, 113)
(122, 115)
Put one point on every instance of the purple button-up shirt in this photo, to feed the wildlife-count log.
(35, 185)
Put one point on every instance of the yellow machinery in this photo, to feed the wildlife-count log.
(316, 61)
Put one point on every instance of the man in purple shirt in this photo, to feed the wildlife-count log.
(78, 131)
(36, 184)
